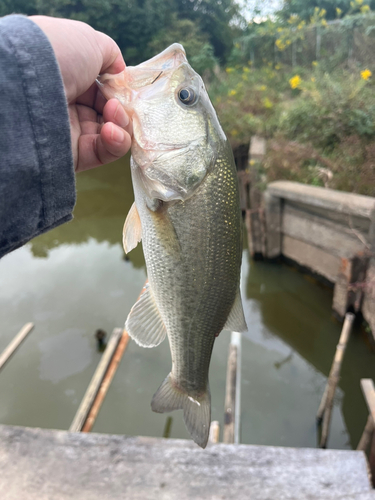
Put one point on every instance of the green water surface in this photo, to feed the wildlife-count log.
(74, 279)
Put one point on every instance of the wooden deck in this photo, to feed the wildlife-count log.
(38, 464)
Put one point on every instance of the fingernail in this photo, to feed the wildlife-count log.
(120, 116)
(117, 135)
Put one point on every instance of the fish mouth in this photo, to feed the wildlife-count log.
(134, 78)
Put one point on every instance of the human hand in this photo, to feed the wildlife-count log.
(100, 130)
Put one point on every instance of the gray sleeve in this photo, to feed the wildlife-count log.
(37, 184)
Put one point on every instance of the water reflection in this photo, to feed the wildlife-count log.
(105, 197)
(297, 311)
(64, 354)
(74, 280)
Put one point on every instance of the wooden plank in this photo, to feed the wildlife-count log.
(41, 464)
(312, 257)
(339, 201)
(214, 432)
(368, 389)
(94, 386)
(320, 232)
(334, 377)
(15, 343)
(232, 410)
(104, 386)
(366, 435)
(272, 210)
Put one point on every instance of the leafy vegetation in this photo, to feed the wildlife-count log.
(302, 77)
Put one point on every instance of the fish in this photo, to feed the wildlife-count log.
(187, 214)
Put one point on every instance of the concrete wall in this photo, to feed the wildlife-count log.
(332, 233)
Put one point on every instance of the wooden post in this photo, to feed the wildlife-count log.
(366, 435)
(334, 377)
(214, 432)
(110, 373)
(96, 381)
(368, 389)
(15, 343)
(231, 433)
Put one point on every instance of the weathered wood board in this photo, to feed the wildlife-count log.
(312, 257)
(39, 464)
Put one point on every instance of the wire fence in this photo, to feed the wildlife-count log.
(349, 42)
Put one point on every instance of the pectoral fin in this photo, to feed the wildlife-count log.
(166, 232)
(236, 320)
(144, 323)
(132, 232)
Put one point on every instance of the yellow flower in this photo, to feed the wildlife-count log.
(338, 11)
(277, 66)
(295, 82)
(232, 93)
(237, 45)
(279, 44)
(323, 12)
(267, 103)
(262, 87)
(315, 63)
(312, 79)
(245, 69)
(229, 70)
(234, 132)
(365, 8)
(324, 22)
(359, 2)
(252, 162)
(365, 74)
(279, 30)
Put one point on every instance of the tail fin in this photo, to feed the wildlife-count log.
(197, 411)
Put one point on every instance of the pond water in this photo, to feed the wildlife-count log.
(74, 279)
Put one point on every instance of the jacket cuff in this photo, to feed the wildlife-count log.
(37, 182)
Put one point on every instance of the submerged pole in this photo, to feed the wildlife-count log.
(333, 379)
(368, 389)
(232, 411)
(98, 381)
(15, 343)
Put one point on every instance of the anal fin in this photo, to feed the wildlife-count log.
(132, 232)
(236, 320)
(144, 323)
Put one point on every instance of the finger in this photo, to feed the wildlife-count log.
(113, 62)
(92, 98)
(97, 149)
(114, 112)
(114, 139)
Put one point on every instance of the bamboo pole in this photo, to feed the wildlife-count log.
(366, 435)
(104, 386)
(232, 394)
(15, 343)
(214, 432)
(96, 381)
(334, 377)
(368, 389)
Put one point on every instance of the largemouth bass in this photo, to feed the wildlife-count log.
(187, 213)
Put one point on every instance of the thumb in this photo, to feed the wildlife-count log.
(113, 62)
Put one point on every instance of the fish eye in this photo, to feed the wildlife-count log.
(187, 96)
